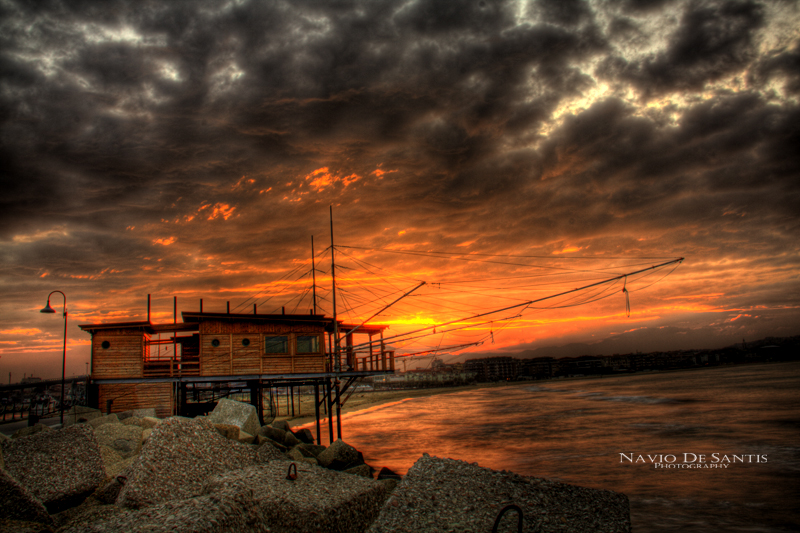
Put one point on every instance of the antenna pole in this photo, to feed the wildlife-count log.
(337, 363)
(313, 277)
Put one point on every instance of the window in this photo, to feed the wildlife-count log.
(308, 344)
(245, 342)
(276, 345)
(215, 343)
(105, 345)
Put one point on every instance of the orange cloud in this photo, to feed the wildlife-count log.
(221, 210)
(323, 178)
(165, 242)
(21, 331)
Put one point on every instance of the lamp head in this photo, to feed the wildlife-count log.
(48, 309)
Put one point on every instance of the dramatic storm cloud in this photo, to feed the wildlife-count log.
(193, 148)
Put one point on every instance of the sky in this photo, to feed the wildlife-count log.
(499, 151)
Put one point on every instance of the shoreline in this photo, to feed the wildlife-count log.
(366, 400)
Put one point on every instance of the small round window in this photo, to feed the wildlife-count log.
(245, 342)
(105, 345)
(215, 343)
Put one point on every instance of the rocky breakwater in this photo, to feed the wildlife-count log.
(225, 473)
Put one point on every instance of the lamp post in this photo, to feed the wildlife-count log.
(49, 309)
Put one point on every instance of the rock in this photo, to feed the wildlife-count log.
(304, 435)
(267, 452)
(203, 514)
(110, 458)
(80, 414)
(229, 431)
(389, 483)
(242, 415)
(126, 440)
(387, 473)
(83, 517)
(272, 433)
(290, 440)
(179, 456)
(20, 526)
(245, 438)
(145, 434)
(19, 503)
(311, 450)
(150, 422)
(139, 413)
(360, 470)
(283, 425)
(338, 455)
(100, 420)
(60, 467)
(30, 430)
(133, 421)
(296, 455)
(121, 466)
(264, 440)
(109, 491)
(434, 494)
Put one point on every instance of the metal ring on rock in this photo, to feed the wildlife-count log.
(503, 511)
(292, 476)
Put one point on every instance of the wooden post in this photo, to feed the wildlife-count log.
(338, 411)
(316, 411)
(330, 407)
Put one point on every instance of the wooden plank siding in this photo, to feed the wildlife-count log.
(124, 356)
(232, 357)
(126, 396)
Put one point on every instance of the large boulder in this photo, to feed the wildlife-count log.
(108, 419)
(30, 430)
(18, 503)
(304, 435)
(242, 415)
(80, 414)
(139, 413)
(60, 467)
(449, 495)
(272, 433)
(179, 455)
(283, 425)
(338, 456)
(126, 440)
(312, 449)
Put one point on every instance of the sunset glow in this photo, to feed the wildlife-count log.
(516, 151)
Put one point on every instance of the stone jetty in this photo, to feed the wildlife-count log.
(225, 473)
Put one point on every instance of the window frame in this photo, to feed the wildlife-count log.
(287, 345)
(309, 335)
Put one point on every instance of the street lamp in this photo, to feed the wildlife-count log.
(49, 309)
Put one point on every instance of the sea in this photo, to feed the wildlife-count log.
(715, 449)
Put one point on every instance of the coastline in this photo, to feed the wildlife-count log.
(363, 400)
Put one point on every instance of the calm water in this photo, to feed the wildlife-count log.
(574, 431)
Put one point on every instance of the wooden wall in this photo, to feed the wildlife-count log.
(128, 396)
(124, 356)
(231, 357)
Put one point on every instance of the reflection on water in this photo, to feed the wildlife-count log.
(575, 431)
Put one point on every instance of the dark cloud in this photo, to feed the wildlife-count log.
(712, 41)
(189, 144)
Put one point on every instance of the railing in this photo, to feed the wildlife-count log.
(23, 400)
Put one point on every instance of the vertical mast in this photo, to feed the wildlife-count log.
(313, 277)
(337, 362)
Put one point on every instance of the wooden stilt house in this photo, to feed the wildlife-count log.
(139, 365)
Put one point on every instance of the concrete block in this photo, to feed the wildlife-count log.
(242, 415)
(449, 495)
(179, 456)
(59, 467)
